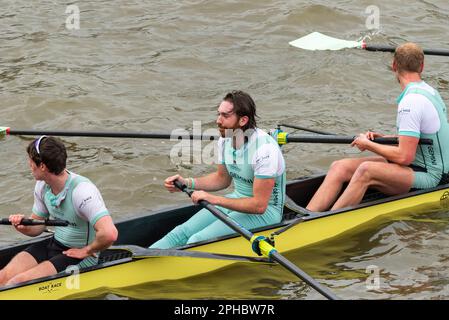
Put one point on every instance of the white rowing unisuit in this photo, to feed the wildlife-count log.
(416, 113)
(80, 203)
(422, 114)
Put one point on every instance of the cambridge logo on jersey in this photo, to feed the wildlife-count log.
(404, 110)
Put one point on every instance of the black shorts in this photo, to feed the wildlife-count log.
(417, 168)
(52, 251)
(444, 179)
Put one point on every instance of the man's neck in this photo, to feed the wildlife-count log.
(239, 139)
(57, 182)
(409, 77)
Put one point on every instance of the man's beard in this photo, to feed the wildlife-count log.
(227, 132)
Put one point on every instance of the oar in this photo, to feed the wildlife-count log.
(105, 134)
(161, 135)
(260, 245)
(319, 41)
(34, 222)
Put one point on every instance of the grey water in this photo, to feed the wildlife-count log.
(163, 64)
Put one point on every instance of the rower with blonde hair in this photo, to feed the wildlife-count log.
(395, 169)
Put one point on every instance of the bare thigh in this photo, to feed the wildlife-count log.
(22, 262)
(390, 178)
(43, 269)
(352, 164)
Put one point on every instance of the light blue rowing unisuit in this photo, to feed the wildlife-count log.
(262, 158)
(423, 114)
(259, 158)
(80, 203)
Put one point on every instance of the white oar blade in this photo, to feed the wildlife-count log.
(319, 41)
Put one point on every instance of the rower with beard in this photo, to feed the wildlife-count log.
(251, 159)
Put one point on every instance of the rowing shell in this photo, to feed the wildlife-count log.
(129, 263)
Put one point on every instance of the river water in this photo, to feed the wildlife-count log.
(161, 65)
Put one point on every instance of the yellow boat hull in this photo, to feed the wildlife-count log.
(161, 268)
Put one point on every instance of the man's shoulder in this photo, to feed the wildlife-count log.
(78, 179)
(261, 137)
(39, 186)
(77, 176)
(414, 99)
(82, 186)
(266, 145)
(422, 89)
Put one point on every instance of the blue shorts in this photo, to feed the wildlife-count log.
(425, 180)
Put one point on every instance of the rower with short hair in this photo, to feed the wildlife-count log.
(251, 159)
(421, 114)
(64, 195)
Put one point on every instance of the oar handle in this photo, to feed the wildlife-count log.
(181, 186)
(33, 222)
(383, 48)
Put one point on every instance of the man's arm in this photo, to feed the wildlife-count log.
(262, 189)
(215, 181)
(31, 231)
(402, 154)
(106, 235)
(373, 135)
(91, 207)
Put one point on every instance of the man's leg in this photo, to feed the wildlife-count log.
(22, 262)
(219, 228)
(43, 269)
(180, 234)
(340, 171)
(389, 178)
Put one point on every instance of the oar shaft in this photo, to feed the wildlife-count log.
(111, 134)
(305, 129)
(431, 52)
(276, 256)
(224, 218)
(217, 212)
(342, 139)
(33, 222)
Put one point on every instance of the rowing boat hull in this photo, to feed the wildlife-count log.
(131, 271)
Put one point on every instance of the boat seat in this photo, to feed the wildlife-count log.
(294, 211)
(372, 195)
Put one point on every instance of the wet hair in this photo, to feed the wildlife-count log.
(409, 57)
(49, 151)
(243, 106)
